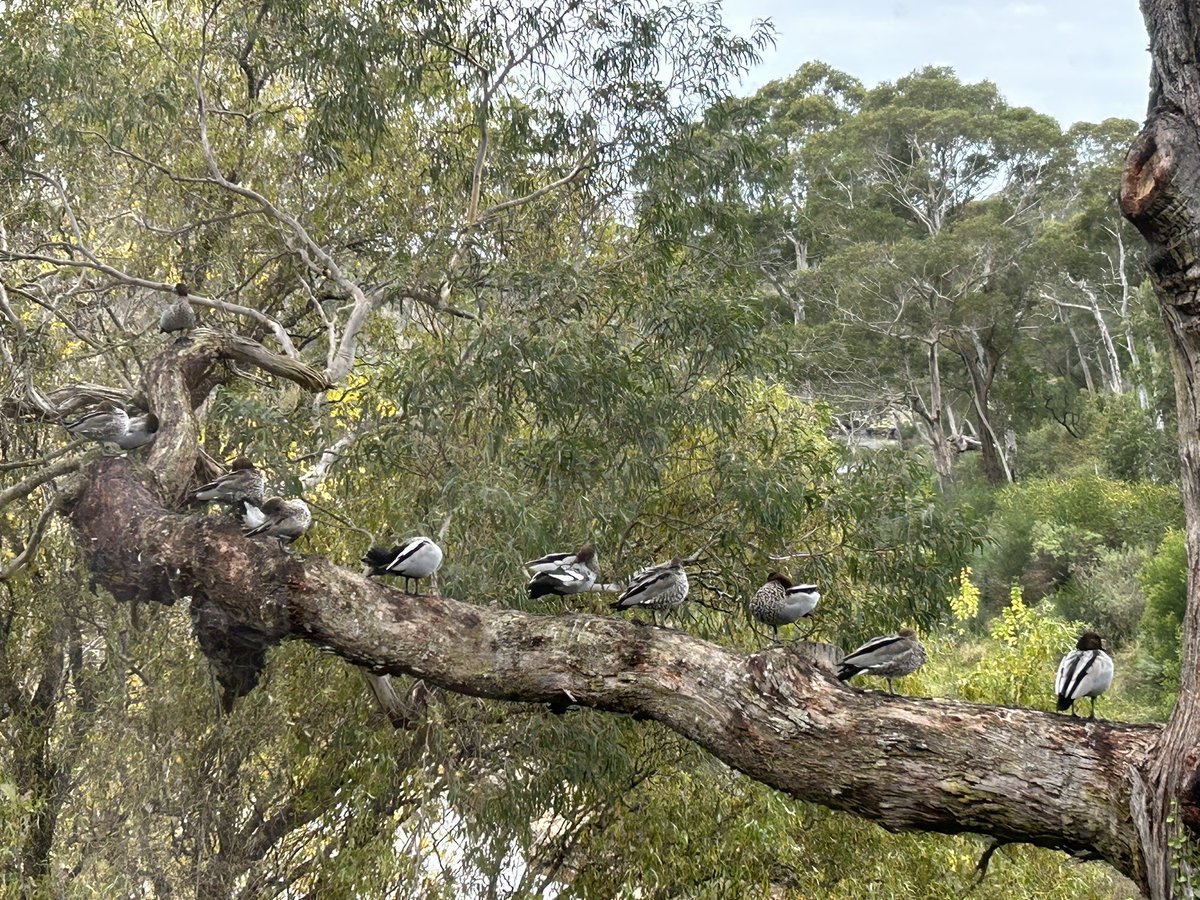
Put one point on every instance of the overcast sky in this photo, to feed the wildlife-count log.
(1074, 59)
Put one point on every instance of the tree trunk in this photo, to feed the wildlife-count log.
(981, 364)
(1065, 318)
(1160, 195)
(1137, 377)
(1113, 375)
(931, 417)
(35, 765)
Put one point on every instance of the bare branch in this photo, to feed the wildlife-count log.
(242, 349)
(27, 486)
(22, 559)
(276, 329)
(42, 460)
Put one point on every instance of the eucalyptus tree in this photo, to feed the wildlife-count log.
(737, 189)
(418, 217)
(472, 228)
(1090, 278)
(938, 184)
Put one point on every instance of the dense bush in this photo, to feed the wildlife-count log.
(1024, 649)
(1164, 580)
(1106, 593)
(1044, 532)
(1109, 435)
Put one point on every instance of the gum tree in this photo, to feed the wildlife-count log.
(327, 265)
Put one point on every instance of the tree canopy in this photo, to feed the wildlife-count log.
(519, 276)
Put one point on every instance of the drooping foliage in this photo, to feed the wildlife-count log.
(564, 288)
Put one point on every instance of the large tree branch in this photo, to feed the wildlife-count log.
(1016, 774)
(176, 383)
(281, 335)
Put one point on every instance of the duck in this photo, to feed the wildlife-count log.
(661, 588)
(1087, 671)
(140, 431)
(179, 316)
(779, 602)
(552, 561)
(891, 656)
(243, 482)
(573, 577)
(412, 560)
(277, 517)
(108, 424)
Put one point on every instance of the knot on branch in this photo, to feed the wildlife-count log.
(1160, 196)
(139, 550)
(235, 646)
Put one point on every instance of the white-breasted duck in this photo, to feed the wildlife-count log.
(242, 482)
(661, 588)
(1087, 671)
(412, 560)
(553, 561)
(780, 602)
(179, 316)
(105, 425)
(140, 432)
(890, 656)
(279, 518)
(567, 577)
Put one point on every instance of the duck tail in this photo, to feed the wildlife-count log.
(846, 672)
(1063, 704)
(377, 558)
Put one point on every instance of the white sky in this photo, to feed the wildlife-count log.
(1074, 59)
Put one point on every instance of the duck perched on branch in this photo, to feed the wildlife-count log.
(890, 656)
(1087, 671)
(661, 588)
(277, 517)
(779, 602)
(243, 482)
(574, 573)
(413, 560)
(141, 431)
(553, 561)
(107, 425)
(179, 316)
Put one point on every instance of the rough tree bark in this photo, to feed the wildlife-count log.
(1160, 195)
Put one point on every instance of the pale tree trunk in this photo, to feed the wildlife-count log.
(1065, 318)
(930, 417)
(981, 365)
(797, 301)
(1113, 369)
(1160, 195)
(1135, 363)
(788, 291)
